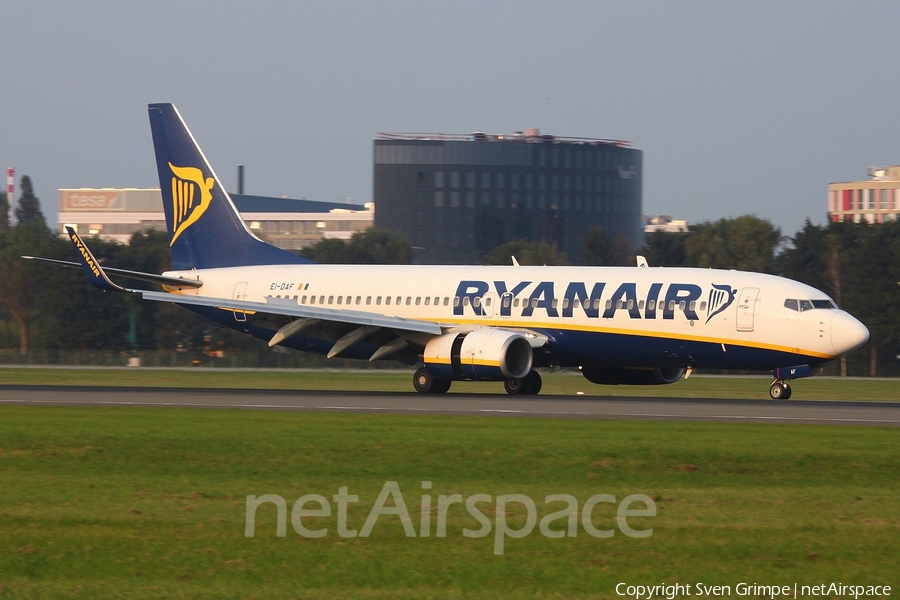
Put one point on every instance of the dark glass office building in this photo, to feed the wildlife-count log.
(459, 196)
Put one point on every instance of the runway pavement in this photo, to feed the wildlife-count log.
(562, 407)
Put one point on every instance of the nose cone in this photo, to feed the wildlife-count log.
(847, 333)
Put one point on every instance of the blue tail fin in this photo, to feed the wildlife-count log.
(205, 229)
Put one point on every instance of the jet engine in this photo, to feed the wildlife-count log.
(484, 354)
(632, 376)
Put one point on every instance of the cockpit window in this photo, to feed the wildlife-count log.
(804, 305)
(823, 304)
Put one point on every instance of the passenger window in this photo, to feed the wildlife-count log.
(651, 304)
(693, 305)
(427, 301)
(330, 299)
(516, 302)
(792, 304)
(554, 303)
(437, 301)
(597, 304)
(340, 298)
(534, 302)
(455, 301)
(487, 301)
(641, 305)
(378, 301)
(630, 304)
(682, 305)
(608, 304)
(321, 299)
(399, 300)
(358, 300)
(671, 305)
(703, 305)
(476, 301)
(387, 300)
(418, 300)
(368, 300)
(303, 299)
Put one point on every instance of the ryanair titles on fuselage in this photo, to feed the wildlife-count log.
(660, 300)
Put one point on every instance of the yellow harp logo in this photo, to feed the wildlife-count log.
(186, 207)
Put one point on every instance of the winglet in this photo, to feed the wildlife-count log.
(91, 265)
(641, 261)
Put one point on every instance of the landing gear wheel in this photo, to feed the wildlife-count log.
(530, 384)
(426, 383)
(533, 383)
(779, 390)
(441, 386)
(514, 387)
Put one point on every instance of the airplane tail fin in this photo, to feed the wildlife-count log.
(205, 229)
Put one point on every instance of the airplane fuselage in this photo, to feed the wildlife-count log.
(627, 317)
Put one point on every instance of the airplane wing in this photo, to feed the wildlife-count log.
(348, 326)
(287, 308)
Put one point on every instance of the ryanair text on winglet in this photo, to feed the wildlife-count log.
(87, 255)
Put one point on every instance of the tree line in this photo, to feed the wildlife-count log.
(48, 307)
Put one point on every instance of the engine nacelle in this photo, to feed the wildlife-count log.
(626, 376)
(483, 354)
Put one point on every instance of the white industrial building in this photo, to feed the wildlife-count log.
(116, 214)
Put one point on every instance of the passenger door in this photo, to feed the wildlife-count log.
(746, 309)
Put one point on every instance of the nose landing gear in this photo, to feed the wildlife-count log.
(779, 390)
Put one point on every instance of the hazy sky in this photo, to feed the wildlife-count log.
(739, 107)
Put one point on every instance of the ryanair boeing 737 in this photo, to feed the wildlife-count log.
(618, 325)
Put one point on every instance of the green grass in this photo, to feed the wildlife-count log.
(136, 502)
(562, 383)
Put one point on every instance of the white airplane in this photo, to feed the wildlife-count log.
(619, 325)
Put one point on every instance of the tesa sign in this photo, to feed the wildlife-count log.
(90, 200)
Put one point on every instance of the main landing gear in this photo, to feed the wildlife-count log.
(779, 390)
(530, 384)
(426, 383)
